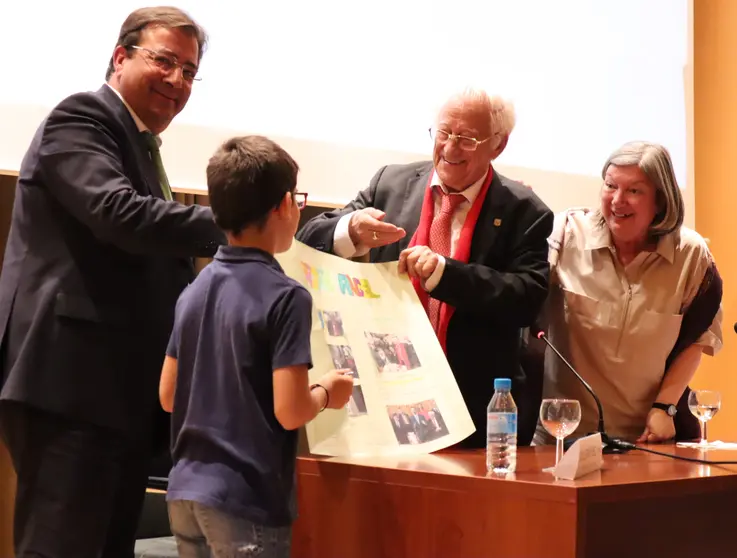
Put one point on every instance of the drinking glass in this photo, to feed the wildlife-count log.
(704, 404)
(560, 417)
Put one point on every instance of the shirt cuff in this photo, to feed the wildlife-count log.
(342, 244)
(710, 343)
(436, 276)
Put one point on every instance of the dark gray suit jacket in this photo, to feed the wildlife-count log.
(94, 264)
(499, 291)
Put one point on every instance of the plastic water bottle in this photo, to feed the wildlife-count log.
(501, 429)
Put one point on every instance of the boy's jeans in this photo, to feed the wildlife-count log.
(204, 532)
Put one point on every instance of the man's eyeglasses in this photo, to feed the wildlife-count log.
(301, 199)
(464, 142)
(166, 64)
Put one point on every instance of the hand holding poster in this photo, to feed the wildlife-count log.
(368, 318)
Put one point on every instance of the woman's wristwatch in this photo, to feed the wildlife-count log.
(669, 409)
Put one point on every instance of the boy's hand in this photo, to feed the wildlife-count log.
(339, 384)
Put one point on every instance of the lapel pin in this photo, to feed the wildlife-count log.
(497, 222)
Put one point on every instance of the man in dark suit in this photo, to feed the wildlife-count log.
(96, 258)
(473, 241)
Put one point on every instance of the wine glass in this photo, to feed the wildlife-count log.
(560, 417)
(704, 404)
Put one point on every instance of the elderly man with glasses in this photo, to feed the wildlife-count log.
(473, 242)
(97, 256)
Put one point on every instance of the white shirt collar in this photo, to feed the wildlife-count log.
(139, 123)
(470, 193)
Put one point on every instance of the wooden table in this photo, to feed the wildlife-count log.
(7, 501)
(443, 506)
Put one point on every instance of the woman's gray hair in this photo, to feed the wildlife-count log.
(654, 161)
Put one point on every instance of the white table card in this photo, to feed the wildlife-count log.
(582, 458)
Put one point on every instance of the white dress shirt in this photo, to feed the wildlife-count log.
(139, 123)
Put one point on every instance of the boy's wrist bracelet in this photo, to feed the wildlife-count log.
(327, 395)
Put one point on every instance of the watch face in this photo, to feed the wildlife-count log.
(669, 409)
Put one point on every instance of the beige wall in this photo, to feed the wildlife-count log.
(715, 150)
(331, 173)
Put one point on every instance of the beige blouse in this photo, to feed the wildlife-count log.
(615, 324)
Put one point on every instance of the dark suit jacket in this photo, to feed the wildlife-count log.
(499, 291)
(94, 264)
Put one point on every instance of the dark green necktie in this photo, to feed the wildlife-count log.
(153, 149)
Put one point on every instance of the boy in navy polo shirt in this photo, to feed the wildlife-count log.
(235, 374)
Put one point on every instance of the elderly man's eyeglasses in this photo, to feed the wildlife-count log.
(301, 199)
(166, 64)
(464, 142)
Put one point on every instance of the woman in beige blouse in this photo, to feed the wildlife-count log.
(622, 278)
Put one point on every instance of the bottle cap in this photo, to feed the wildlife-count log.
(502, 383)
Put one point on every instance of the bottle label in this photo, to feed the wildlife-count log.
(501, 423)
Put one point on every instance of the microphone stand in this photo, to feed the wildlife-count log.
(609, 444)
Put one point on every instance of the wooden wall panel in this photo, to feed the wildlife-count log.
(7, 475)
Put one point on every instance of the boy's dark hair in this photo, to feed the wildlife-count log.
(247, 177)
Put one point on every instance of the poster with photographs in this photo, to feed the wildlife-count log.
(368, 319)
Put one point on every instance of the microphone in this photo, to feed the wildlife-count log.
(610, 445)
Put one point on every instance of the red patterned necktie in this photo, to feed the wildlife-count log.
(439, 242)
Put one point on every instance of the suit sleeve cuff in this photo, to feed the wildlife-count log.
(436, 276)
(342, 244)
